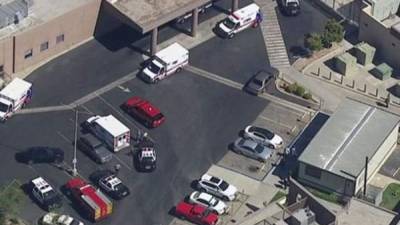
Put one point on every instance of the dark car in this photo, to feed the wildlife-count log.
(146, 156)
(40, 155)
(108, 182)
(290, 7)
(258, 82)
(94, 148)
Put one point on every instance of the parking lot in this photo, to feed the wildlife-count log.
(202, 118)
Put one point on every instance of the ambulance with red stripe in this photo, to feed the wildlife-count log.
(13, 97)
(249, 16)
(93, 202)
(168, 61)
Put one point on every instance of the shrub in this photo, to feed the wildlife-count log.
(333, 32)
(313, 42)
(307, 96)
(291, 88)
(300, 90)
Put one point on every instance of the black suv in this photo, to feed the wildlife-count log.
(146, 155)
(40, 155)
(94, 148)
(110, 184)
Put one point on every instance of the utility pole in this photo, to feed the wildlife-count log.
(74, 161)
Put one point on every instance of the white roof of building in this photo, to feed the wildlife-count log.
(112, 125)
(354, 131)
(16, 88)
(169, 53)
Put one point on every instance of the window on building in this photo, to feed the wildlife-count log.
(28, 53)
(313, 172)
(44, 46)
(60, 38)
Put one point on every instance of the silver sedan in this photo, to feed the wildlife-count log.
(252, 149)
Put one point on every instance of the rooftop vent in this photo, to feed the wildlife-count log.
(13, 12)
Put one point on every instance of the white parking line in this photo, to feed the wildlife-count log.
(276, 122)
(64, 137)
(395, 172)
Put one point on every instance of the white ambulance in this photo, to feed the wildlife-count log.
(14, 96)
(249, 16)
(110, 130)
(166, 62)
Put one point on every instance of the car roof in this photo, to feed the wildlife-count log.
(249, 143)
(94, 141)
(145, 105)
(263, 75)
(205, 196)
(210, 178)
(259, 130)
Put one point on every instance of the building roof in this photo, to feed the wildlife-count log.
(359, 210)
(40, 12)
(148, 14)
(354, 131)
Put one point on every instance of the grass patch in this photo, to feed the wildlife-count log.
(391, 196)
(277, 196)
(327, 196)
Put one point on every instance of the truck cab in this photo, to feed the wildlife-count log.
(165, 62)
(14, 96)
(239, 20)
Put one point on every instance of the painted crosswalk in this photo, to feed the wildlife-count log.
(272, 35)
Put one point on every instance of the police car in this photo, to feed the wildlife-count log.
(110, 184)
(146, 156)
(46, 196)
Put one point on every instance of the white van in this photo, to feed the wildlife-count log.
(249, 16)
(14, 96)
(110, 130)
(166, 62)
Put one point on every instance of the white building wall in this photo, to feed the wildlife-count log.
(379, 158)
(328, 181)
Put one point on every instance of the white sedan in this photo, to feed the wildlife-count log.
(58, 219)
(208, 201)
(263, 136)
(217, 187)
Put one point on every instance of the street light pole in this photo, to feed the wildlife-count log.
(74, 160)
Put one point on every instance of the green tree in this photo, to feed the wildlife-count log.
(313, 42)
(333, 32)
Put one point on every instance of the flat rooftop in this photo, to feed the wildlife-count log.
(41, 11)
(360, 212)
(148, 14)
(354, 131)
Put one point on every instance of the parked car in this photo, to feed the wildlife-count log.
(58, 219)
(40, 155)
(110, 184)
(44, 194)
(146, 156)
(208, 201)
(290, 7)
(263, 136)
(252, 149)
(258, 82)
(94, 148)
(196, 213)
(217, 187)
(144, 111)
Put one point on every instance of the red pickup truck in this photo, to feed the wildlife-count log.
(144, 111)
(196, 213)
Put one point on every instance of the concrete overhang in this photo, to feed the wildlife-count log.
(145, 15)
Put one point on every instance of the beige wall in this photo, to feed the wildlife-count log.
(76, 25)
(376, 162)
(377, 35)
